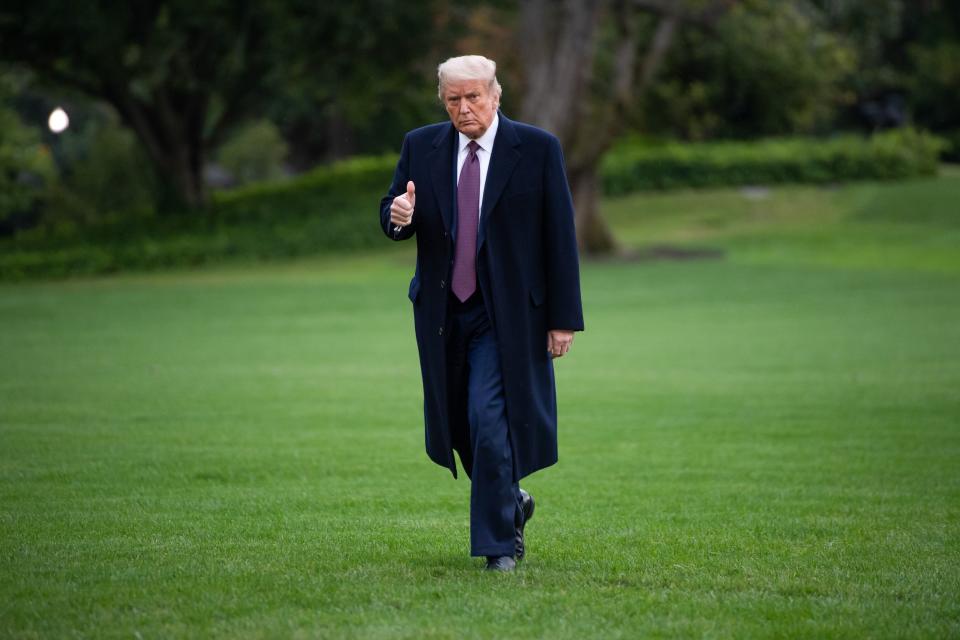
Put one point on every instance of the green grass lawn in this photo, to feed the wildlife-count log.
(763, 445)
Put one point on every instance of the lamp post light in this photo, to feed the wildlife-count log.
(58, 120)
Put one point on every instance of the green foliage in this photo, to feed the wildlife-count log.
(951, 151)
(330, 209)
(354, 76)
(634, 165)
(935, 84)
(870, 27)
(106, 173)
(768, 69)
(904, 49)
(775, 67)
(254, 153)
(338, 77)
(179, 72)
(26, 165)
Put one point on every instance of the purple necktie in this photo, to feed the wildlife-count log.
(468, 216)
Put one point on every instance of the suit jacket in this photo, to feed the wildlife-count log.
(527, 269)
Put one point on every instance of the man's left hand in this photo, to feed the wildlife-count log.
(559, 342)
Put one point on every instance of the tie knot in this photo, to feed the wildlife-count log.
(472, 146)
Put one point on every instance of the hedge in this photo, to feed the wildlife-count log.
(332, 208)
(636, 166)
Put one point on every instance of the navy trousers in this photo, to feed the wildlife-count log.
(478, 408)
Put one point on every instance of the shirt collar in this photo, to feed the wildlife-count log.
(486, 140)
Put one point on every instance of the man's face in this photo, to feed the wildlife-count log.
(471, 106)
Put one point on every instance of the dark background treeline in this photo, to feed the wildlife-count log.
(189, 120)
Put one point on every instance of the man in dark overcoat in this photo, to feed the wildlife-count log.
(496, 294)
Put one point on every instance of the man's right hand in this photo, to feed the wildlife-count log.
(401, 211)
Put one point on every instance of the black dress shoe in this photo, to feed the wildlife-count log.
(526, 512)
(501, 563)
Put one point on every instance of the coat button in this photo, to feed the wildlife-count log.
(441, 331)
(443, 283)
(444, 235)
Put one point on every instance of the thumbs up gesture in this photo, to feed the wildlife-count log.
(401, 211)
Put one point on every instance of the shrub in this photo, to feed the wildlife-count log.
(635, 165)
(107, 172)
(254, 153)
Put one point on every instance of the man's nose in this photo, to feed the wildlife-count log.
(464, 106)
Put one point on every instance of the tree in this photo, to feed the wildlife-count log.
(768, 68)
(908, 58)
(585, 71)
(183, 73)
(179, 72)
(357, 75)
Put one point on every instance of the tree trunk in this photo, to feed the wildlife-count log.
(559, 44)
(187, 172)
(174, 144)
(594, 235)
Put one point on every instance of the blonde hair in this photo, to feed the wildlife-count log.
(468, 68)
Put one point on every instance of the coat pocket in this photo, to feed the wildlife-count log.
(414, 292)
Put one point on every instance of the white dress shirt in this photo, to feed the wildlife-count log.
(483, 153)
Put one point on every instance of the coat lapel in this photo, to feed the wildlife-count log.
(502, 162)
(441, 172)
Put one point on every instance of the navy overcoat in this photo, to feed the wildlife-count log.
(527, 268)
